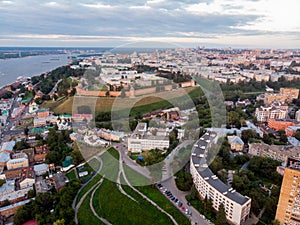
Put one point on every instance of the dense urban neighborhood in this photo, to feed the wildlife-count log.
(178, 136)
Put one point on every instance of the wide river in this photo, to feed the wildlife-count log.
(11, 69)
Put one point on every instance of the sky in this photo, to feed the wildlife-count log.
(186, 23)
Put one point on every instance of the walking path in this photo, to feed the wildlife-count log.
(76, 207)
(92, 207)
(141, 194)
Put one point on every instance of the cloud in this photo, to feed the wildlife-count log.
(165, 19)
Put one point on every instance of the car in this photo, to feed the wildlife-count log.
(182, 208)
(190, 214)
(173, 198)
(176, 200)
(179, 204)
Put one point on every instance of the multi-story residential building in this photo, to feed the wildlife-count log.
(290, 93)
(288, 208)
(290, 131)
(236, 143)
(285, 95)
(27, 178)
(276, 152)
(270, 98)
(142, 140)
(279, 124)
(274, 111)
(17, 163)
(237, 206)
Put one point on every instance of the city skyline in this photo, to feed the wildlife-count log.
(212, 23)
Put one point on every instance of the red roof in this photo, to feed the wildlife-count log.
(30, 222)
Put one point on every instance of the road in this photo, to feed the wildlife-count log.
(196, 217)
(123, 150)
(168, 169)
(9, 123)
(54, 89)
(168, 179)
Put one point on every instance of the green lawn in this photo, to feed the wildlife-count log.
(155, 195)
(117, 208)
(86, 217)
(110, 164)
(71, 174)
(87, 187)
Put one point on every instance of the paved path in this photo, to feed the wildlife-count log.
(123, 150)
(141, 194)
(180, 195)
(167, 168)
(119, 185)
(76, 207)
(245, 166)
(92, 207)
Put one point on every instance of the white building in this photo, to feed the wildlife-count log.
(17, 163)
(275, 111)
(237, 206)
(142, 140)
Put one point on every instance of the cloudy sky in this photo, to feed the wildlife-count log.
(235, 23)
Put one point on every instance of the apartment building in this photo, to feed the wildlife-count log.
(237, 206)
(279, 124)
(236, 143)
(276, 152)
(290, 93)
(274, 111)
(288, 209)
(285, 95)
(17, 163)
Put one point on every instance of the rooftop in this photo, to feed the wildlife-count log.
(199, 155)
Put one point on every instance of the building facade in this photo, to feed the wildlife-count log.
(279, 124)
(275, 111)
(288, 209)
(142, 140)
(237, 206)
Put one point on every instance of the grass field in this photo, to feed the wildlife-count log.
(117, 208)
(85, 216)
(154, 194)
(71, 174)
(148, 102)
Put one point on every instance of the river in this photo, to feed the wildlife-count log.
(11, 69)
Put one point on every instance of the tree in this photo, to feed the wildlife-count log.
(297, 135)
(1, 182)
(77, 157)
(26, 131)
(59, 222)
(221, 216)
(21, 145)
(6, 203)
